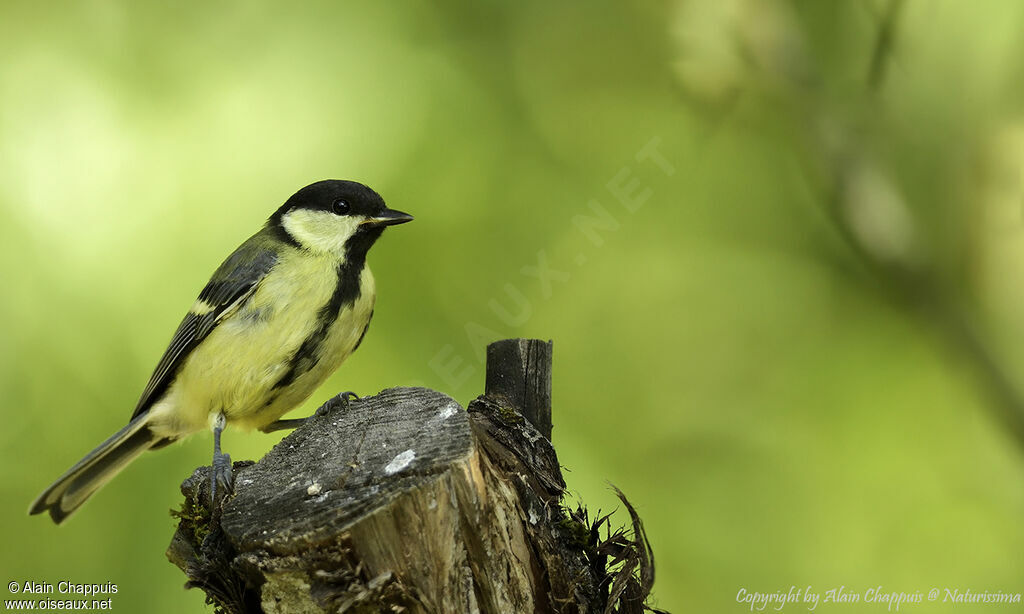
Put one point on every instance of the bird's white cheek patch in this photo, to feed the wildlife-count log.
(321, 230)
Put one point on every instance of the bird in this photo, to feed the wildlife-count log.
(280, 314)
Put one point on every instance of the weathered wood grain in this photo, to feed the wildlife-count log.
(406, 502)
(520, 370)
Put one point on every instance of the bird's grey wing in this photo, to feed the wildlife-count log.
(231, 285)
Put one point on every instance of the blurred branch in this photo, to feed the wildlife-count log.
(915, 283)
(767, 54)
(880, 57)
(870, 215)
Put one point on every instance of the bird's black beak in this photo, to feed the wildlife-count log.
(388, 217)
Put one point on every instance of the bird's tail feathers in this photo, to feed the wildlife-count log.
(97, 468)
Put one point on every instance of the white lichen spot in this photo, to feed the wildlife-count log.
(533, 516)
(246, 482)
(399, 462)
(314, 489)
(432, 505)
(448, 411)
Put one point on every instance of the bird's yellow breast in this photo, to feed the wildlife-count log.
(247, 366)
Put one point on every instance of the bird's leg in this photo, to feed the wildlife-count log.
(294, 423)
(220, 474)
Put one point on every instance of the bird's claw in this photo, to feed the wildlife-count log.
(221, 479)
(343, 400)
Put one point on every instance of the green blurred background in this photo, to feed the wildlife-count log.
(799, 357)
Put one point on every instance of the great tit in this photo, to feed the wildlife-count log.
(280, 314)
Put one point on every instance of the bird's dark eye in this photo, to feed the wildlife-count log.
(340, 207)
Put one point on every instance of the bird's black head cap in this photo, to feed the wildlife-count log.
(343, 198)
(327, 195)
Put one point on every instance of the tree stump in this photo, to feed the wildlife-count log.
(405, 502)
